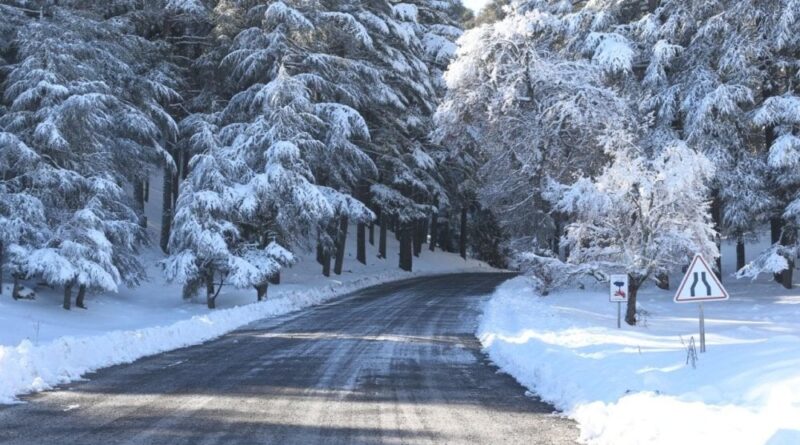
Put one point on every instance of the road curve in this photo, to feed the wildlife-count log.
(396, 363)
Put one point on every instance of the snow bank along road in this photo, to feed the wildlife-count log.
(396, 363)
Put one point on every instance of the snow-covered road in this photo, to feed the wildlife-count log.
(396, 363)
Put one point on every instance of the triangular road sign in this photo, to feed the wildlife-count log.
(700, 284)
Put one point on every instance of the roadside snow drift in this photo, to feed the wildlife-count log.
(633, 385)
(42, 345)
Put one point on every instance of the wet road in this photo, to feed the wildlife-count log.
(396, 363)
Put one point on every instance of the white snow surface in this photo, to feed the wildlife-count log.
(633, 385)
(42, 345)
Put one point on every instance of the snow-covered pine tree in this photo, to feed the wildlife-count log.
(70, 95)
(527, 119)
(642, 215)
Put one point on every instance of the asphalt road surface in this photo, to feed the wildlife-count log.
(393, 364)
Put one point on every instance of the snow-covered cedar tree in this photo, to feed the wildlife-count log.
(79, 88)
(23, 226)
(643, 216)
(527, 118)
(547, 272)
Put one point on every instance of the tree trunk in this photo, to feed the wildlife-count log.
(446, 242)
(261, 291)
(372, 234)
(716, 216)
(275, 278)
(406, 234)
(68, 295)
(434, 228)
(80, 297)
(147, 190)
(320, 254)
(463, 241)
(341, 245)
(419, 234)
(775, 229)
(166, 210)
(662, 281)
(361, 241)
(555, 245)
(326, 263)
(789, 238)
(630, 312)
(397, 228)
(211, 299)
(16, 288)
(740, 257)
(138, 199)
(382, 238)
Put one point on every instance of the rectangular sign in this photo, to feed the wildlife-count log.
(618, 288)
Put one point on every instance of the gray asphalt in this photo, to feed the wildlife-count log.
(396, 363)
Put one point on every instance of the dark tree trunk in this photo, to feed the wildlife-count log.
(396, 225)
(138, 198)
(275, 278)
(716, 217)
(446, 242)
(68, 295)
(81, 295)
(555, 245)
(185, 158)
(775, 229)
(261, 291)
(740, 257)
(361, 243)
(320, 254)
(372, 234)
(147, 190)
(633, 289)
(211, 299)
(406, 257)
(326, 263)
(16, 288)
(382, 238)
(419, 235)
(166, 210)
(434, 228)
(463, 240)
(341, 245)
(789, 238)
(662, 281)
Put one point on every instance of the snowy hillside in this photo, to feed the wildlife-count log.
(634, 385)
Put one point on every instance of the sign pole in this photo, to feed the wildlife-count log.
(619, 314)
(702, 330)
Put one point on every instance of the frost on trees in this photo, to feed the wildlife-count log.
(642, 215)
(71, 97)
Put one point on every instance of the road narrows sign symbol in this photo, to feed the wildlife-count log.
(700, 284)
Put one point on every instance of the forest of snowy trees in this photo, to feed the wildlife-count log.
(633, 134)
(569, 137)
(277, 124)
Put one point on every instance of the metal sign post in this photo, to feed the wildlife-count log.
(700, 284)
(618, 292)
(702, 329)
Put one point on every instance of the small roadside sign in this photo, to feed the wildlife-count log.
(700, 284)
(618, 293)
(618, 288)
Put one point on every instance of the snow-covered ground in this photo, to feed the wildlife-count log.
(42, 345)
(633, 385)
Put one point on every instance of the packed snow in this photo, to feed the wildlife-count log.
(637, 385)
(42, 345)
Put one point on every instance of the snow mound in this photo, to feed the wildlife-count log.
(633, 385)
